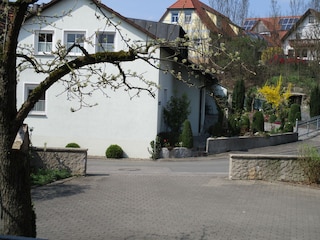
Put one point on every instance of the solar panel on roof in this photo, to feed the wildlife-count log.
(248, 24)
(287, 23)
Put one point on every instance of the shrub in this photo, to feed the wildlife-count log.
(72, 145)
(244, 123)
(234, 124)
(114, 151)
(186, 135)
(176, 111)
(314, 101)
(155, 148)
(288, 127)
(310, 161)
(258, 122)
(272, 118)
(216, 130)
(294, 113)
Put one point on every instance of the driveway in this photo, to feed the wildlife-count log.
(156, 201)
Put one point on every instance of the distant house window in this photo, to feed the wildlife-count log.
(298, 35)
(74, 38)
(105, 42)
(290, 53)
(219, 22)
(304, 53)
(174, 17)
(40, 106)
(44, 42)
(187, 17)
(311, 19)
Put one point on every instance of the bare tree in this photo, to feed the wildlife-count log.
(314, 4)
(296, 7)
(275, 9)
(236, 10)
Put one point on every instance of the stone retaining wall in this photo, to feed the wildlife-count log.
(72, 159)
(243, 143)
(268, 168)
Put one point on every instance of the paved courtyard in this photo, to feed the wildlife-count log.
(162, 205)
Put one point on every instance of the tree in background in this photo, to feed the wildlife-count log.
(236, 10)
(297, 7)
(238, 96)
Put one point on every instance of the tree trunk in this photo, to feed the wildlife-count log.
(16, 214)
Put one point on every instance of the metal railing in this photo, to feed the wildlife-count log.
(308, 128)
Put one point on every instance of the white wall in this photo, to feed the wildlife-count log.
(116, 120)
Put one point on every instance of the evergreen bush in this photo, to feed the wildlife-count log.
(314, 101)
(186, 135)
(234, 124)
(258, 122)
(294, 113)
(72, 145)
(114, 151)
(238, 96)
(155, 148)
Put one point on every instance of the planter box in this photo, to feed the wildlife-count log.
(177, 152)
(219, 145)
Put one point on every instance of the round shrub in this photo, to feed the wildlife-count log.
(114, 151)
(72, 145)
(258, 122)
(186, 135)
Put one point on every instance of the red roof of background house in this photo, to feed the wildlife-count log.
(274, 27)
(202, 9)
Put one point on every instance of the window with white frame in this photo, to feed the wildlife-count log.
(40, 106)
(44, 42)
(174, 17)
(105, 41)
(187, 17)
(72, 38)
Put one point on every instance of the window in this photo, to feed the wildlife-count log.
(74, 38)
(44, 42)
(304, 53)
(40, 106)
(105, 42)
(187, 17)
(311, 19)
(174, 17)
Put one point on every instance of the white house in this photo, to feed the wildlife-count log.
(118, 118)
(303, 39)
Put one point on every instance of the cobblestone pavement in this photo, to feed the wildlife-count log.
(162, 206)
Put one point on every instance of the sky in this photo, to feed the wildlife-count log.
(154, 9)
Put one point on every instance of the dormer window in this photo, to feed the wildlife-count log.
(311, 19)
(187, 17)
(174, 17)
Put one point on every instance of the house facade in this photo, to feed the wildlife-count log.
(302, 41)
(201, 23)
(114, 114)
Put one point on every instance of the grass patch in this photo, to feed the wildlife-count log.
(45, 176)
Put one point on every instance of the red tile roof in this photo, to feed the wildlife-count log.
(202, 9)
